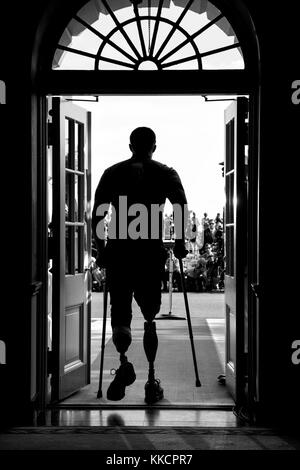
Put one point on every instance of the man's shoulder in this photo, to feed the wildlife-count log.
(117, 166)
(156, 166)
(162, 167)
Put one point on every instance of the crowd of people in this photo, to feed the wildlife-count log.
(204, 263)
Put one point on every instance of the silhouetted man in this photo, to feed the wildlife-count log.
(134, 256)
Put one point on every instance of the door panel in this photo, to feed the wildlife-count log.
(72, 239)
(235, 245)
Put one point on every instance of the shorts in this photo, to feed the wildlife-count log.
(135, 273)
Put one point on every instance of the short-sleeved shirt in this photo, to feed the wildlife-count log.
(137, 182)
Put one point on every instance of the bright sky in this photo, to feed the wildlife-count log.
(190, 138)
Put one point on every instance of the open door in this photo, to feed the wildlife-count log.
(71, 254)
(235, 218)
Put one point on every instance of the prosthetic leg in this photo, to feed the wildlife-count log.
(121, 336)
(125, 375)
(153, 390)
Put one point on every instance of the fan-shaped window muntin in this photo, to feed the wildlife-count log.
(153, 41)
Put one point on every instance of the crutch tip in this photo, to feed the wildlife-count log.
(198, 384)
(99, 394)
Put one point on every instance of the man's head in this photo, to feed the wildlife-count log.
(142, 141)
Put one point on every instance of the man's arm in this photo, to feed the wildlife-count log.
(100, 210)
(177, 197)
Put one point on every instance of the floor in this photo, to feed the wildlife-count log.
(151, 416)
(187, 422)
(116, 438)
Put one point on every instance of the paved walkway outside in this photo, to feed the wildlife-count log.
(174, 362)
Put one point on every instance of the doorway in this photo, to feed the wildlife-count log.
(200, 136)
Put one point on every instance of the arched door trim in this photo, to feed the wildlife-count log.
(48, 81)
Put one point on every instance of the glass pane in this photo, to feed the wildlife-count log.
(229, 146)
(112, 53)
(193, 22)
(69, 197)
(78, 249)
(163, 30)
(76, 145)
(229, 255)
(132, 31)
(230, 199)
(87, 41)
(108, 66)
(71, 162)
(213, 38)
(183, 53)
(80, 147)
(76, 199)
(176, 40)
(67, 143)
(189, 65)
(72, 61)
(231, 343)
(50, 184)
(227, 60)
(79, 198)
(118, 39)
(69, 247)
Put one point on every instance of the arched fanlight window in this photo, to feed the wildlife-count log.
(148, 35)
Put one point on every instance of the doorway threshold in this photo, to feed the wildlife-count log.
(105, 406)
(121, 416)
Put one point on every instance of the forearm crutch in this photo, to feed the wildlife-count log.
(198, 383)
(105, 295)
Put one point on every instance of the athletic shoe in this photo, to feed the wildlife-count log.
(153, 392)
(124, 376)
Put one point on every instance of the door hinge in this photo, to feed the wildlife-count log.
(35, 287)
(256, 289)
(49, 133)
(49, 362)
(245, 367)
(246, 134)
